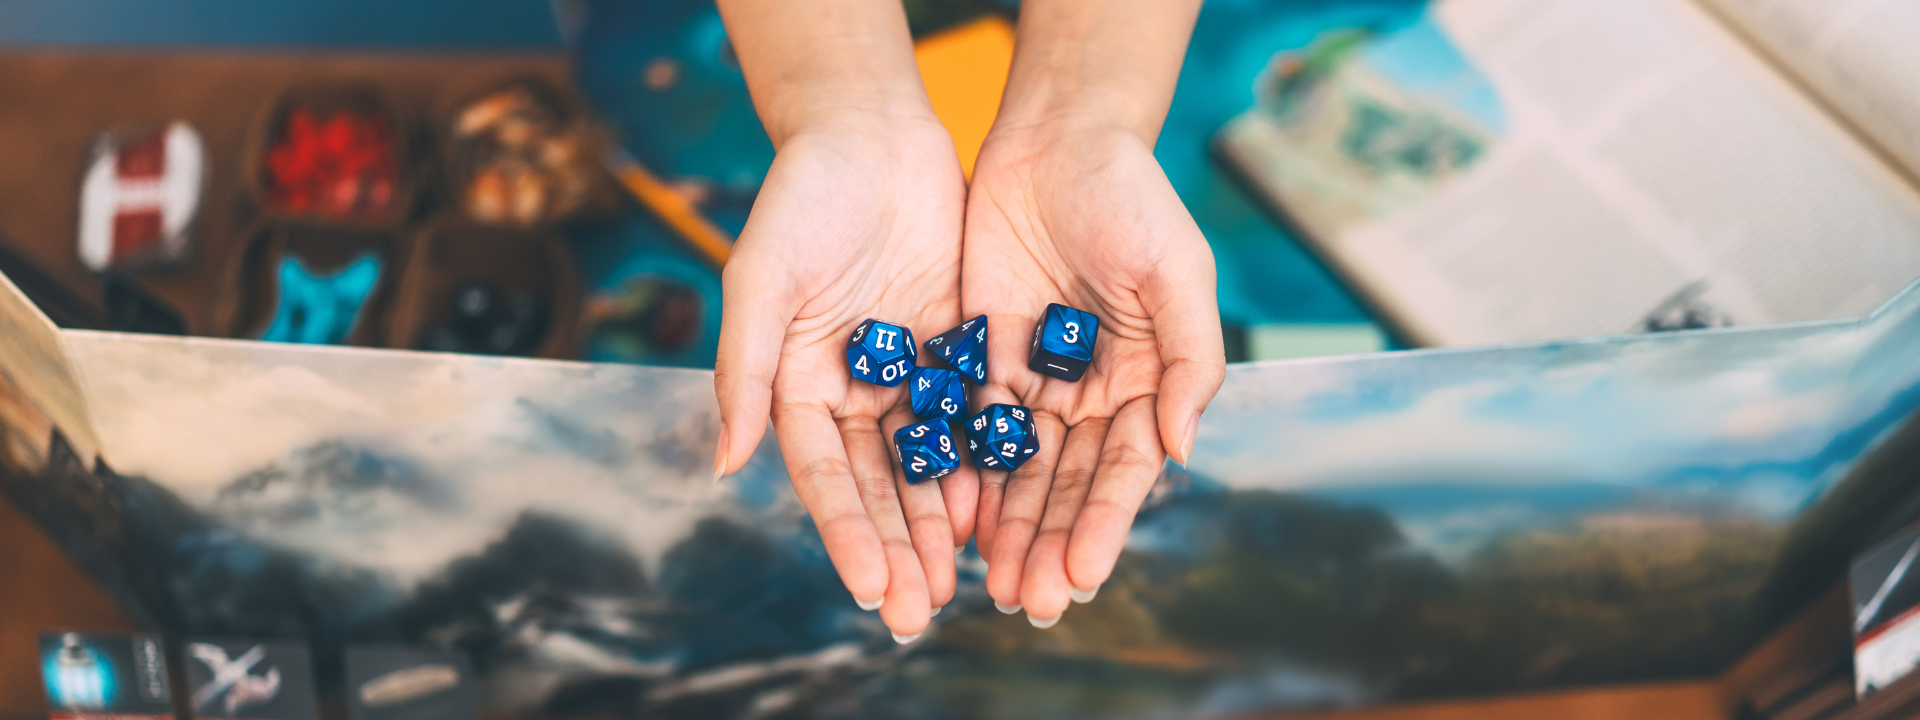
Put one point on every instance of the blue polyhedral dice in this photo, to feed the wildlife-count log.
(1001, 437)
(937, 394)
(881, 353)
(1063, 343)
(964, 348)
(926, 450)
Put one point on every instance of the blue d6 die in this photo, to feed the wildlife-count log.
(937, 394)
(881, 353)
(926, 451)
(1063, 343)
(1001, 437)
(964, 348)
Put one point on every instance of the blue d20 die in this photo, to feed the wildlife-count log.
(1001, 437)
(1063, 343)
(926, 451)
(881, 353)
(937, 394)
(964, 348)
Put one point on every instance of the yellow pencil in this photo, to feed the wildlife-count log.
(672, 207)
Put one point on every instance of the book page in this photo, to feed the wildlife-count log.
(1860, 56)
(1589, 167)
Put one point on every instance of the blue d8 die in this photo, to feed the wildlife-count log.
(926, 451)
(1063, 343)
(964, 348)
(881, 353)
(1001, 437)
(937, 394)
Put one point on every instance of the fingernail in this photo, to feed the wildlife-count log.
(1082, 596)
(936, 611)
(904, 639)
(720, 455)
(1043, 624)
(960, 549)
(870, 606)
(1006, 609)
(1186, 446)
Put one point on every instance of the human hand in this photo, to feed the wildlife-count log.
(1079, 213)
(859, 218)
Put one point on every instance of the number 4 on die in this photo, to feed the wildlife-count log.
(881, 353)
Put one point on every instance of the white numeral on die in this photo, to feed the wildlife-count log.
(1073, 333)
(862, 366)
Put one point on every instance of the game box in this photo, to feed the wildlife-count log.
(1350, 531)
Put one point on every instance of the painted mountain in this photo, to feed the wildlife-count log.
(1351, 530)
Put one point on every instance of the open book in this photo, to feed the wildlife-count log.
(1506, 170)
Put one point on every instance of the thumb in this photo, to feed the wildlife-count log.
(756, 308)
(1186, 325)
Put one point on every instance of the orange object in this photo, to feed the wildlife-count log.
(965, 71)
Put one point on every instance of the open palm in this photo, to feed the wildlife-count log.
(1087, 219)
(852, 223)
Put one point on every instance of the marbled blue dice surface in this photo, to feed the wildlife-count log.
(926, 450)
(936, 393)
(881, 353)
(964, 348)
(1063, 343)
(1001, 437)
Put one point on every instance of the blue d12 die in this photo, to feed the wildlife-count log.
(1063, 343)
(1001, 437)
(964, 348)
(881, 353)
(937, 394)
(926, 451)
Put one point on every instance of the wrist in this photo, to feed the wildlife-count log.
(1046, 102)
(859, 111)
(1096, 63)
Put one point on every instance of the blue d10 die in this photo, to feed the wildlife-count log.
(881, 353)
(1063, 343)
(964, 348)
(926, 451)
(1001, 437)
(937, 394)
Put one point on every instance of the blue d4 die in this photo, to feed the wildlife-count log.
(964, 348)
(1063, 343)
(1001, 437)
(937, 394)
(926, 451)
(881, 353)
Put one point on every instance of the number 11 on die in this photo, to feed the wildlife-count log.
(881, 353)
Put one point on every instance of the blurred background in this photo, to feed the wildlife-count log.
(615, 258)
(563, 178)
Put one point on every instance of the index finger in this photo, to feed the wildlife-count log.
(817, 461)
(1130, 463)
